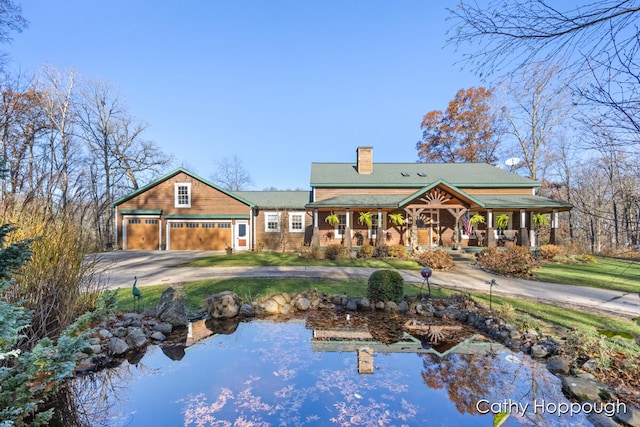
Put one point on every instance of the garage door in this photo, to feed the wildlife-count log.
(143, 233)
(207, 236)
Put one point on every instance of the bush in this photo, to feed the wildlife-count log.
(435, 259)
(365, 251)
(335, 251)
(516, 261)
(549, 252)
(586, 259)
(398, 251)
(385, 285)
(381, 251)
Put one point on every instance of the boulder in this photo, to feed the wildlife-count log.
(247, 310)
(136, 338)
(271, 307)
(117, 346)
(163, 327)
(224, 305)
(302, 304)
(585, 388)
(172, 308)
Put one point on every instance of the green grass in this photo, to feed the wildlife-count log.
(607, 273)
(255, 259)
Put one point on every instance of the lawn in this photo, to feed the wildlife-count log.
(607, 273)
(256, 259)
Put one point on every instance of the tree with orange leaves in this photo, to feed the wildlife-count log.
(468, 131)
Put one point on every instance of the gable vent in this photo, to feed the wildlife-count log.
(404, 173)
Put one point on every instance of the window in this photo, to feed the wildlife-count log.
(182, 195)
(208, 225)
(374, 226)
(176, 225)
(151, 221)
(342, 224)
(224, 225)
(134, 221)
(296, 222)
(193, 225)
(272, 221)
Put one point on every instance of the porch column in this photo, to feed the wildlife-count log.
(523, 235)
(380, 231)
(491, 237)
(347, 231)
(554, 237)
(315, 237)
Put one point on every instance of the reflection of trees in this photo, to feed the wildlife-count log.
(467, 378)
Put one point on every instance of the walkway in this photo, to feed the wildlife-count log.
(153, 268)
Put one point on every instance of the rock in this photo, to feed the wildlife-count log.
(302, 304)
(280, 299)
(391, 307)
(515, 335)
(451, 312)
(558, 365)
(136, 338)
(590, 365)
(585, 388)
(105, 333)
(402, 307)
(364, 304)
(379, 305)
(120, 332)
(629, 417)
(224, 305)
(172, 308)
(117, 346)
(352, 304)
(539, 351)
(271, 307)
(247, 310)
(163, 327)
(286, 309)
(601, 420)
(158, 336)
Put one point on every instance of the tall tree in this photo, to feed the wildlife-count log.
(231, 175)
(468, 131)
(597, 41)
(11, 20)
(536, 104)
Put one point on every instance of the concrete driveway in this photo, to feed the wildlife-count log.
(158, 268)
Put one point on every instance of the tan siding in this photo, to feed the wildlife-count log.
(275, 241)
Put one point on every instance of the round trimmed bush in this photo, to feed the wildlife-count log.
(385, 285)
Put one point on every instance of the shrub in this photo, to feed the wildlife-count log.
(316, 252)
(381, 251)
(549, 252)
(586, 259)
(435, 259)
(335, 251)
(365, 251)
(385, 285)
(516, 261)
(398, 251)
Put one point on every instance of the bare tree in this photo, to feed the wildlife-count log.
(231, 175)
(598, 42)
(536, 104)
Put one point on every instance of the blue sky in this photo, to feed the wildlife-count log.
(281, 84)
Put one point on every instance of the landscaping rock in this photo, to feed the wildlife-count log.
(558, 365)
(117, 346)
(136, 338)
(364, 304)
(158, 336)
(585, 388)
(163, 327)
(352, 304)
(601, 420)
(172, 308)
(539, 351)
(271, 307)
(247, 310)
(286, 309)
(631, 417)
(224, 305)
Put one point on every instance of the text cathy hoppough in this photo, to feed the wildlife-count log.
(558, 408)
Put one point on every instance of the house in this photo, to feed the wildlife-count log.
(420, 205)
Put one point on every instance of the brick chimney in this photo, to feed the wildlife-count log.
(365, 160)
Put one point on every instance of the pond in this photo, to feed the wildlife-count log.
(291, 373)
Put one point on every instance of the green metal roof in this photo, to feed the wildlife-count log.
(409, 175)
(360, 201)
(441, 183)
(170, 175)
(276, 199)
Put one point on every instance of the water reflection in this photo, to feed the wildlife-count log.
(309, 373)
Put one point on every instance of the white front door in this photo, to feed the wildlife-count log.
(242, 235)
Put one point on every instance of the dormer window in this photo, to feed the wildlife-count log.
(182, 194)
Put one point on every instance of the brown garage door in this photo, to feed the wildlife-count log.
(143, 233)
(208, 236)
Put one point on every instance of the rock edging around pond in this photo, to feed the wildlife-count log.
(127, 335)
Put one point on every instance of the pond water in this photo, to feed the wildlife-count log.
(286, 374)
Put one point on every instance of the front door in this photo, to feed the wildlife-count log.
(242, 235)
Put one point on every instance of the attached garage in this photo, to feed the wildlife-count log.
(142, 233)
(199, 235)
